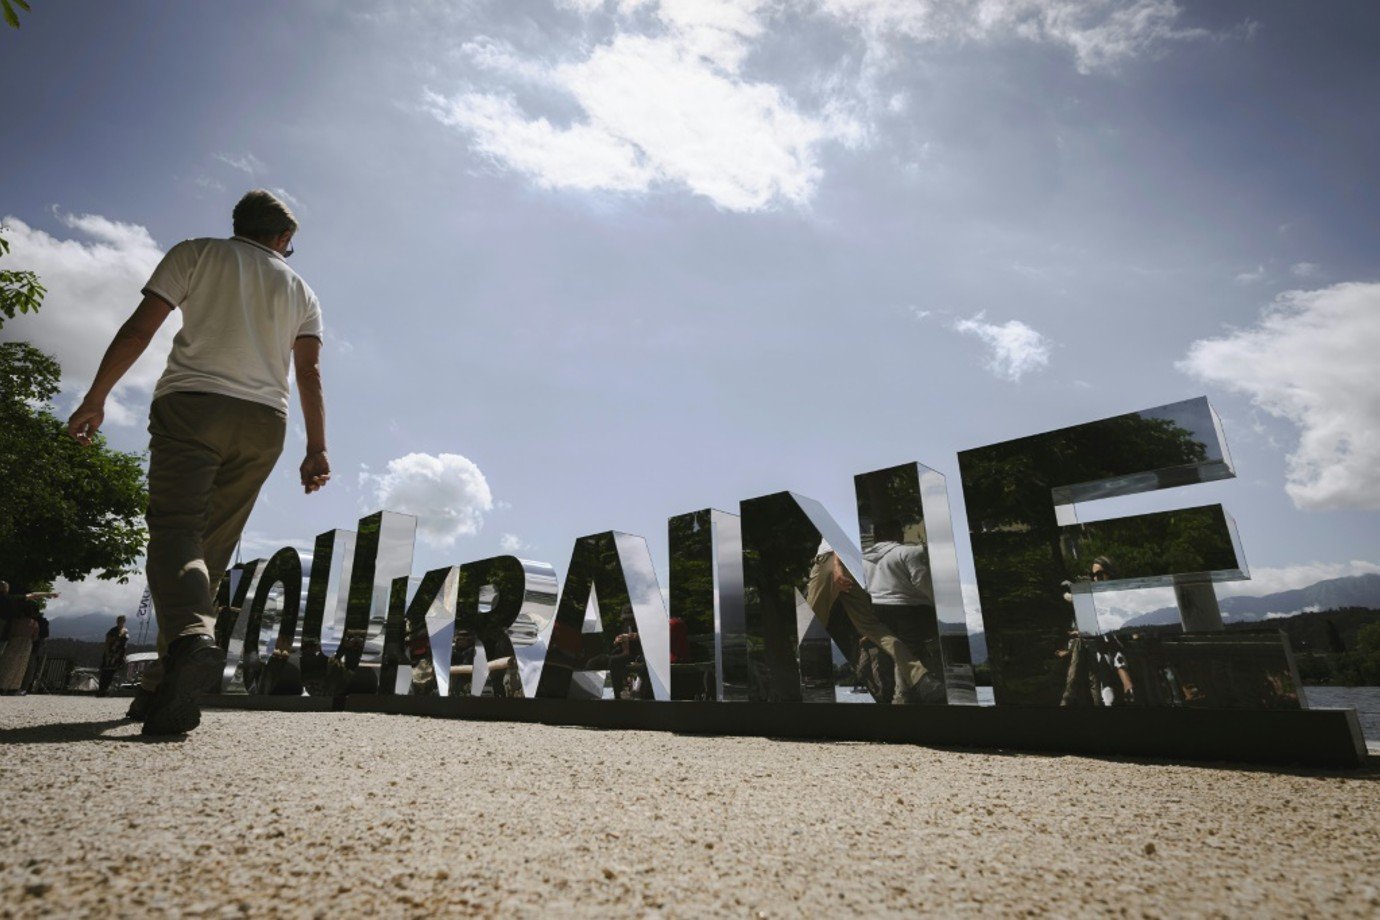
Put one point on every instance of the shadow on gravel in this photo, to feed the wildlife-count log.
(1370, 772)
(67, 732)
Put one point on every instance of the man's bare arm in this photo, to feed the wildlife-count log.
(306, 358)
(129, 343)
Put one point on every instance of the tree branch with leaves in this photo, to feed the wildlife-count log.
(20, 291)
(11, 16)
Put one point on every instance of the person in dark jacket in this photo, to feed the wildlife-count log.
(113, 657)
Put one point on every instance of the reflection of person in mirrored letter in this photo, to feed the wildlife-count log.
(1118, 689)
(625, 660)
(216, 428)
(903, 603)
(1083, 686)
(832, 586)
(464, 646)
(504, 678)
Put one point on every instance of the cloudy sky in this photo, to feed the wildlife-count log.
(586, 265)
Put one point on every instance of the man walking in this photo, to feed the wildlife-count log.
(216, 428)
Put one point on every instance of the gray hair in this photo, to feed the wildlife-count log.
(260, 215)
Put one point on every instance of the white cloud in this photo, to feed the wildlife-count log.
(93, 287)
(245, 163)
(286, 196)
(578, 157)
(1304, 269)
(1311, 360)
(96, 596)
(1013, 348)
(447, 493)
(1251, 276)
(665, 108)
(502, 58)
(1100, 33)
(662, 97)
(255, 544)
(511, 543)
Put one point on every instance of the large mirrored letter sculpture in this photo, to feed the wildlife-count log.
(706, 593)
(409, 664)
(383, 552)
(331, 561)
(610, 624)
(803, 585)
(275, 669)
(911, 564)
(1037, 567)
(504, 611)
(231, 622)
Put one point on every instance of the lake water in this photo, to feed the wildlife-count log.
(1365, 700)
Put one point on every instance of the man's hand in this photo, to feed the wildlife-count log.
(842, 580)
(129, 343)
(316, 471)
(85, 422)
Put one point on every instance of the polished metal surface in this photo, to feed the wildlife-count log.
(409, 662)
(270, 665)
(383, 551)
(332, 559)
(706, 602)
(799, 567)
(1038, 569)
(911, 562)
(503, 604)
(610, 625)
(1198, 607)
(232, 624)
(1211, 670)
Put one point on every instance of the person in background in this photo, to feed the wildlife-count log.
(216, 428)
(113, 655)
(6, 614)
(24, 615)
(36, 654)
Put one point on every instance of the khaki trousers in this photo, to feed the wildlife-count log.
(208, 457)
(824, 591)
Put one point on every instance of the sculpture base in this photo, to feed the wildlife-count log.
(1308, 737)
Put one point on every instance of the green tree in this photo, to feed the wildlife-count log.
(1361, 665)
(20, 292)
(65, 510)
(11, 16)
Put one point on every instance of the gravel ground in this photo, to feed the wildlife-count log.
(343, 814)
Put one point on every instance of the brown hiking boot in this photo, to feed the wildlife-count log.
(139, 706)
(189, 668)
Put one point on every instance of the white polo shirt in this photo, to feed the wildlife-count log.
(242, 308)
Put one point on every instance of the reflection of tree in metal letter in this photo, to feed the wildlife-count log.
(1033, 561)
(611, 577)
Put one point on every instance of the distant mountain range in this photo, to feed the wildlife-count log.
(1334, 593)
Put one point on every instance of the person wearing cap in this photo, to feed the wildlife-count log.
(216, 428)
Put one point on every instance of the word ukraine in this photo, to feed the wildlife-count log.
(778, 603)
